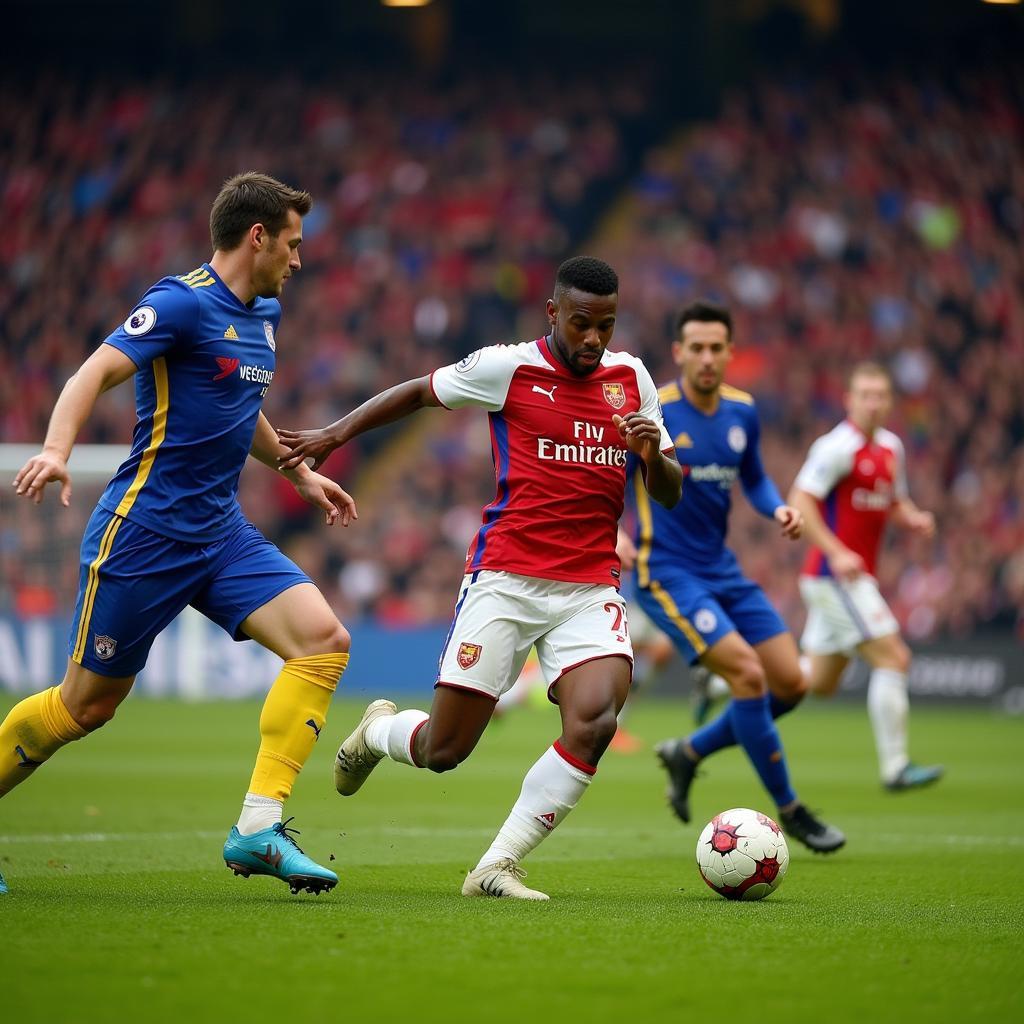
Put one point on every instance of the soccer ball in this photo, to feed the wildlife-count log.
(742, 854)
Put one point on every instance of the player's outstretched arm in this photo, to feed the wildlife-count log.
(845, 564)
(318, 490)
(906, 514)
(105, 368)
(394, 404)
(662, 475)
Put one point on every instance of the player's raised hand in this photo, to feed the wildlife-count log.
(642, 435)
(305, 444)
(791, 520)
(46, 467)
(326, 494)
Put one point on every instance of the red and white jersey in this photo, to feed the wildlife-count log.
(559, 462)
(856, 480)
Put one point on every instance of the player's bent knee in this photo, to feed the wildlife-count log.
(791, 688)
(327, 637)
(592, 735)
(747, 678)
(92, 715)
(894, 655)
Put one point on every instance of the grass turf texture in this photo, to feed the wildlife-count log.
(121, 908)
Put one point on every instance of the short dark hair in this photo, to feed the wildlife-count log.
(253, 198)
(586, 274)
(706, 313)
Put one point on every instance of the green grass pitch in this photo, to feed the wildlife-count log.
(121, 909)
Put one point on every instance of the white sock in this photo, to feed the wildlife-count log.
(392, 735)
(551, 789)
(259, 812)
(888, 706)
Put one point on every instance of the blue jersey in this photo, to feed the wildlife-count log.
(713, 450)
(205, 361)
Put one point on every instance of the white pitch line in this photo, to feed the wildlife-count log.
(413, 832)
(107, 837)
(358, 831)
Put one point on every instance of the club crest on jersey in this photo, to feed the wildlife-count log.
(268, 330)
(469, 654)
(104, 646)
(737, 438)
(614, 395)
(142, 321)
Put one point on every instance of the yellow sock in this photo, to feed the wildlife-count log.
(293, 715)
(35, 729)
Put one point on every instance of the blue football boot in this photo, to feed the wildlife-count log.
(3, 885)
(914, 776)
(272, 851)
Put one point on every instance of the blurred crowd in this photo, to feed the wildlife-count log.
(839, 218)
(846, 218)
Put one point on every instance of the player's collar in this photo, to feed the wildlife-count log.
(693, 405)
(229, 293)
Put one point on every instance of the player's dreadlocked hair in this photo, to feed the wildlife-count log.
(586, 274)
(253, 198)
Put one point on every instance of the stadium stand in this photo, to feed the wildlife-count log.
(840, 217)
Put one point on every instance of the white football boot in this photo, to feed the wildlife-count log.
(502, 879)
(355, 760)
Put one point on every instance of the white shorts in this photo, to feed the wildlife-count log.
(841, 616)
(500, 616)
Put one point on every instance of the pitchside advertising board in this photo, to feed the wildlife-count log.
(193, 659)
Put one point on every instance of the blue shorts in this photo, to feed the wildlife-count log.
(133, 582)
(696, 612)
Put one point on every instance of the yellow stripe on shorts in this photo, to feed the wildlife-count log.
(672, 611)
(106, 543)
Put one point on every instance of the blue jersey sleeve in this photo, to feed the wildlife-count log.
(165, 318)
(758, 486)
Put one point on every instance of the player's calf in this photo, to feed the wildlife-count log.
(33, 731)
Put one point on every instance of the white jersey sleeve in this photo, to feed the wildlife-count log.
(900, 488)
(481, 379)
(829, 460)
(650, 406)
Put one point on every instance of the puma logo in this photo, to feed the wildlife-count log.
(26, 761)
(312, 726)
(548, 394)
